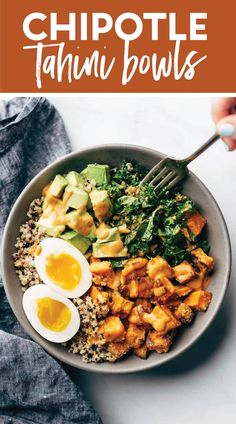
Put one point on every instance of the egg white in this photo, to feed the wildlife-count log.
(54, 245)
(29, 301)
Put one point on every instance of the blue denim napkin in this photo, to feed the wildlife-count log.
(33, 386)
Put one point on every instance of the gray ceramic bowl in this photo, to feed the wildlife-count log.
(114, 154)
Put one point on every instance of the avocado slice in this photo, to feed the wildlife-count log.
(80, 242)
(44, 204)
(53, 231)
(101, 204)
(47, 227)
(99, 173)
(58, 185)
(75, 198)
(112, 249)
(82, 223)
(74, 179)
(113, 234)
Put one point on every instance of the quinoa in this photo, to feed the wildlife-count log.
(26, 243)
(83, 342)
(88, 342)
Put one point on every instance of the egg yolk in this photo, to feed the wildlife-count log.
(53, 314)
(63, 270)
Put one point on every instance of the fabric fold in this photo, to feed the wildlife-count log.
(34, 388)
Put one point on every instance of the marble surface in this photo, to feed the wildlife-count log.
(200, 386)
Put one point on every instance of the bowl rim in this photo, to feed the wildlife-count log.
(144, 366)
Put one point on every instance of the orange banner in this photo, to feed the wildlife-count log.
(126, 46)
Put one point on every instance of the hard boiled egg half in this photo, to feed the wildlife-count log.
(53, 316)
(63, 267)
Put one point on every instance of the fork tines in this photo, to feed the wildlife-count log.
(163, 175)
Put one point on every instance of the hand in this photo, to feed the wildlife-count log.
(224, 116)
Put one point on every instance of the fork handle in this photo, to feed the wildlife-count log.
(201, 149)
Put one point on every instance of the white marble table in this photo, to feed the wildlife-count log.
(201, 385)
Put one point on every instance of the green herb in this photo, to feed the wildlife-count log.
(156, 220)
(114, 189)
(129, 172)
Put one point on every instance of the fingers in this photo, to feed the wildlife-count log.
(224, 116)
(226, 127)
(223, 106)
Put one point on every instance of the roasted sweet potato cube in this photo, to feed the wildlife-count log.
(112, 329)
(144, 303)
(184, 272)
(161, 319)
(159, 291)
(141, 287)
(173, 322)
(101, 267)
(135, 317)
(103, 274)
(203, 258)
(98, 296)
(133, 289)
(196, 222)
(182, 291)
(134, 264)
(157, 268)
(198, 282)
(134, 268)
(118, 349)
(172, 303)
(199, 300)
(169, 290)
(184, 313)
(160, 344)
(141, 351)
(99, 281)
(145, 287)
(135, 336)
(114, 281)
(94, 292)
(119, 305)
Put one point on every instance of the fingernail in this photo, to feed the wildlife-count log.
(226, 130)
(226, 146)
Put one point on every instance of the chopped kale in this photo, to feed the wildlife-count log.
(147, 196)
(156, 220)
(130, 173)
(114, 189)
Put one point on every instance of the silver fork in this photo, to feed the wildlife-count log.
(169, 172)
